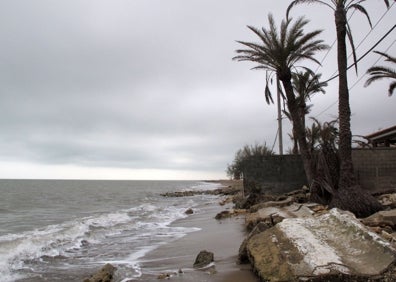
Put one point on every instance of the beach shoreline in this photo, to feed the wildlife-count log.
(222, 237)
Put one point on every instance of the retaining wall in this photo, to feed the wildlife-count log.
(374, 168)
(274, 174)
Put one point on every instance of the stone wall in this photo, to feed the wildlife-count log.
(375, 168)
(274, 174)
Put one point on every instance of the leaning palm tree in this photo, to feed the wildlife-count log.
(305, 84)
(349, 196)
(278, 52)
(380, 72)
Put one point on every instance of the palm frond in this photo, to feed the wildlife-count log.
(297, 2)
(361, 9)
(392, 87)
(267, 91)
(351, 42)
(381, 72)
(389, 58)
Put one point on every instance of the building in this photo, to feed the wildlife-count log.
(383, 138)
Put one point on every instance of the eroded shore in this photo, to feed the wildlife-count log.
(282, 228)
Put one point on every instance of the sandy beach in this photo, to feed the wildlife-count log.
(223, 238)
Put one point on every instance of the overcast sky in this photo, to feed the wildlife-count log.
(147, 89)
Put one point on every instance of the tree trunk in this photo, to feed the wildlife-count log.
(297, 125)
(349, 195)
(347, 178)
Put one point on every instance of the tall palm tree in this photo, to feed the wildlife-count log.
(305, 84)
(278, 52)
(347, 181)
(380, 72)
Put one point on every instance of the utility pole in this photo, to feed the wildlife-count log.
(279, 116)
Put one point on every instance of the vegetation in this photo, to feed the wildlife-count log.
(380, 72)
(305, 84)
(235, 169)
(348, 195)
(278, 52)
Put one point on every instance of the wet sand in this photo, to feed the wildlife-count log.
(223, 238)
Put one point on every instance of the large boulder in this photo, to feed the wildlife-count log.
(332, 245)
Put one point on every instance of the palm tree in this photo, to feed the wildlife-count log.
(305, 83)
(278, 53)
(380, 72)
(347, 182)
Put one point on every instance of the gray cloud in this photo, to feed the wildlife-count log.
(147, 84)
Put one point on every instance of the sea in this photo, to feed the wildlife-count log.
(64, 230)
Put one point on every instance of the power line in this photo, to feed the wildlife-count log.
(331, 47)
(333, 76)
(387, 49)
(365, 54)
(371, 30)
(356, 82)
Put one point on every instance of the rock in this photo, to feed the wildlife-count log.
(388, 200)
(166, 275)
(242, 253)
(84, 243)
(382, 219)
(227, 200)
(189, 211)
(227, 214)
(256, 198)
(220, 191)
(321, 248)
(273, 215)
(222, 215)
(105, 274)
(286, 202)
(203, 259)
(239, 201)
(211, 270)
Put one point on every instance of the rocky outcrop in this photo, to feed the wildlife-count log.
(319, 248)
(231, 190)
(203, 259)
(105, 274)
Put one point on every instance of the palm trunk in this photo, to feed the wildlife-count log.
(349, 196)
(347, 178)
(297, 126)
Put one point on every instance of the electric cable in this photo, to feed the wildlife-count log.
(356, 82)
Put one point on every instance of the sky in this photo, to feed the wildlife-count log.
(147, 89)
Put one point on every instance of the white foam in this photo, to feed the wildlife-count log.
(147, 222)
